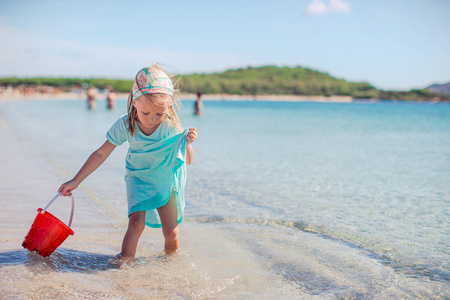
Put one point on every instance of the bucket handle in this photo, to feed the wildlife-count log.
(54, 198)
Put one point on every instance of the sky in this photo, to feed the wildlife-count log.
(392, 44)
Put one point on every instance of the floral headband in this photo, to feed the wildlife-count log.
(152, 81)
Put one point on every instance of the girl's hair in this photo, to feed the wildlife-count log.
(171, 115)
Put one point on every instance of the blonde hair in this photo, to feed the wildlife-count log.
(171, 114)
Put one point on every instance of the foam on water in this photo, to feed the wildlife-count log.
(284, 200)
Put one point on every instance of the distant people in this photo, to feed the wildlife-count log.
(91, 93)
(198, 106)
(111, 98)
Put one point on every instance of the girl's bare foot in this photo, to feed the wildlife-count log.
(120, 260)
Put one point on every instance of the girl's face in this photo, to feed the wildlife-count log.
(149, 112)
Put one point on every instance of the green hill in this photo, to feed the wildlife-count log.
(268, 80)
(272, 80)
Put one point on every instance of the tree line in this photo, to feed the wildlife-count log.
(268, 80)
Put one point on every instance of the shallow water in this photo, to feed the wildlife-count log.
(293, 200)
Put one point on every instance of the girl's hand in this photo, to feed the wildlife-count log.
(192, 135)
(66, 188)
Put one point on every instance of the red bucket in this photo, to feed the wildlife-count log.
(47, 232)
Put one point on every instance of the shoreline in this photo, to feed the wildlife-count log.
(193, 97)
(45, 142)
(16, 96)
(272, 98)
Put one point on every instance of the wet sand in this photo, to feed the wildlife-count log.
(221, 257)
(83, 267)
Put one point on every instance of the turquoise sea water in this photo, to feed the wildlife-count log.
(333, 200)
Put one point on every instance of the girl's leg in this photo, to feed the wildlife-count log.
(136, 225)
(168, 215)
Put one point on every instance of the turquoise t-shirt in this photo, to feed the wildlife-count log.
(155, 166)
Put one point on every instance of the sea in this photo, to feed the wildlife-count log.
(284, 200)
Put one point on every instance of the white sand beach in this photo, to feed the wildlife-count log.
(207, 97)
(83, 267)
(255, 228)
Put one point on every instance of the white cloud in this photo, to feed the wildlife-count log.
(318, 7)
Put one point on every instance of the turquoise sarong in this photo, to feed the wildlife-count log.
(155, 167)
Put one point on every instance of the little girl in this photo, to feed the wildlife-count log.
(155, 163)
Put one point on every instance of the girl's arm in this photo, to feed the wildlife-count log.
(191, 137)
(93, 162)
(189, 154)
